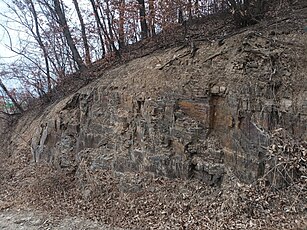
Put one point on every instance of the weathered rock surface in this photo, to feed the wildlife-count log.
(189, 118)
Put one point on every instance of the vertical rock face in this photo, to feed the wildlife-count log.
(164, 136)
(191, 119)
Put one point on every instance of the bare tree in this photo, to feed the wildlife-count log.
(83, 31)
(151, 20)
(16, 104)
(143, 22)
(40, 42)
(64, 26)
(26, 16)
(109, 18)
(96, 8)
(121, 30)
(99, 27)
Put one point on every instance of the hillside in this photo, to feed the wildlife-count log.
(208, 134)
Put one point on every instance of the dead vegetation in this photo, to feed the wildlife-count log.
(139, 201)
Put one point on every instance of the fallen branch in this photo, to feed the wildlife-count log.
(174, 59)
(215, 55)
(181, 48)
(257, 51)
(279, 41)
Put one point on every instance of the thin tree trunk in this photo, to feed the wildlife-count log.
(41, 44)
(143, 22)
(83, 31)
(121, 30)
(16, 104)
(196, 6)
(64, 26)
(95, 6)
(152, 15)
(110, 21)
(190, 9)
(180, 16)
(99, 27)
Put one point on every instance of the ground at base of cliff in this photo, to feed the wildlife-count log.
(30, 220)
(39, 197)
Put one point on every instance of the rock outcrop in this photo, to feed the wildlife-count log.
(179, 116)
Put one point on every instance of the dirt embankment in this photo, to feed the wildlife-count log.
(166, 141)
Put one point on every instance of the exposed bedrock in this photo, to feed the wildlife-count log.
(192, 118)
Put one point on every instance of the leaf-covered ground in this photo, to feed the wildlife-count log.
(152, 203)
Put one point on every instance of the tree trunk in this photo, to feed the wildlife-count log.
(180, 16)
(110, 21)
(143, 22)
(121, 30)
(103, 28)
(16, 104)
(83, 31)
(196, 6)
(190, 9)
(152, 15)
(41, 44)
(99, 26)
(64, 26)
